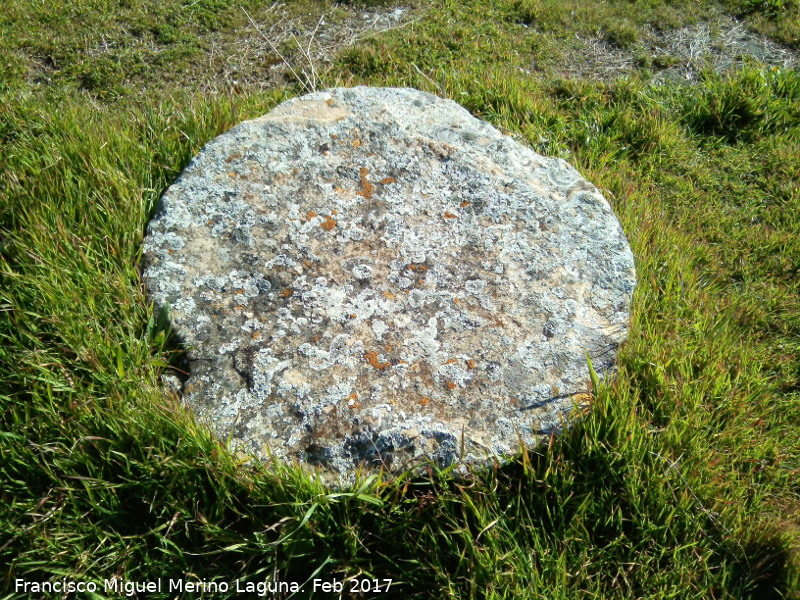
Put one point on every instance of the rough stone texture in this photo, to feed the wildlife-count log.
(373, 277)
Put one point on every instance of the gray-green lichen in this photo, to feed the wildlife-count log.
(372, 277)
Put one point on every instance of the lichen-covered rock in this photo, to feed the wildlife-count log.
(374, 278)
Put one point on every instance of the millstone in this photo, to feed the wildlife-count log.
(372, 278)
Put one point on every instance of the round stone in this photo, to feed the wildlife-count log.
(372, 278)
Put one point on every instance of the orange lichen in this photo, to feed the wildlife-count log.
(424, 401)
(372, 358)
(451, 361)
(328, 223)
(465, 203)
(256, 335)
(388, 294)
(367, 188)
(387, 180)
(356, 143)
(310, 215)
(353, 316)
(471, 364)
(171, 251)
(287, 292)
(231, 173)
(239, 291)
(353, 396)
(450, 385)
(457, 300)
(388, 347)
(449, 215)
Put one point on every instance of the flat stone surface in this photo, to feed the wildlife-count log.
(371, 277)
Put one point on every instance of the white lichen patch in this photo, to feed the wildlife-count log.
(374, 277)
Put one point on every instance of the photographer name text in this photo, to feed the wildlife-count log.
(131, 588)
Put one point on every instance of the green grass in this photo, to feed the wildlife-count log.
(682, 482)
(780, 19)
(101, 45)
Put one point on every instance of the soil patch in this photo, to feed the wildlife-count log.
(276, 45)
(678, 55)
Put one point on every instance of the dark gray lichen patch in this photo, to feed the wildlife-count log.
(373, 277)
